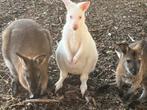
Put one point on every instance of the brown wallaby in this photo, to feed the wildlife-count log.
(26, 48)
(132, 67)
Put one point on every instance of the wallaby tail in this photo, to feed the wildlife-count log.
(49, 39)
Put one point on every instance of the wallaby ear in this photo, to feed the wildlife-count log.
(40, 59)
(139, 46)
(21, 57)
(124, 47)
(24, 60)
(66, 3)
(143, 46)
(84, 5)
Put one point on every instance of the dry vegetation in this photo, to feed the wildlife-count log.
(109, 21)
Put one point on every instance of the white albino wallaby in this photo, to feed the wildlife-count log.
(76, 52)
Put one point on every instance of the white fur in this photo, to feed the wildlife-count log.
(76, 52)
(119, 54)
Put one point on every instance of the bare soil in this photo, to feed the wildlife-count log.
(109, 21)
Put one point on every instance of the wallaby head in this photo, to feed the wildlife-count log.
(31, 72)
(75, 13)
(133, 58)
(130, 58)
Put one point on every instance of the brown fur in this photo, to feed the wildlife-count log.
(140, 47)
(32, 43)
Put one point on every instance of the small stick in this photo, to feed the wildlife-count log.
(40, 100)
(17, 104)
(131, 38)
(36, 101)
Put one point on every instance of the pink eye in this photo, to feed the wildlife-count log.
(70, 17)
(80, 17)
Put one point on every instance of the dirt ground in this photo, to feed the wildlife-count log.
(109, 21)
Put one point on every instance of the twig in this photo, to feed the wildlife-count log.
(40, 101)
(131, 38)
(17, 104)
(36, 101)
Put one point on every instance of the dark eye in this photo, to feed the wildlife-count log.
(70, 17)
(27, 76)
(128, 61)
(139, 61)
(80, 17)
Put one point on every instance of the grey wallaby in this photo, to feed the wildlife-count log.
(26, 48)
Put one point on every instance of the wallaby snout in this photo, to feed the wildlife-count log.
(75, 27)
(132, 66)
(35, 93)
(135, 67)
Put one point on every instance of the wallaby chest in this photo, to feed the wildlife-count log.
(74, 42)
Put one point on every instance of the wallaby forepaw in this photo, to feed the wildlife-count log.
(75, 59)
(70, 60)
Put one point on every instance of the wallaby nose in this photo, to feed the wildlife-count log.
(35, 94)
(75, 27)
(35, 90)
(134, 71)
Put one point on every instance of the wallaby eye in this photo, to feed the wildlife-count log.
(128, 61)
(70, 17)
(26, 76)
(139, 61)
(80, 17)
